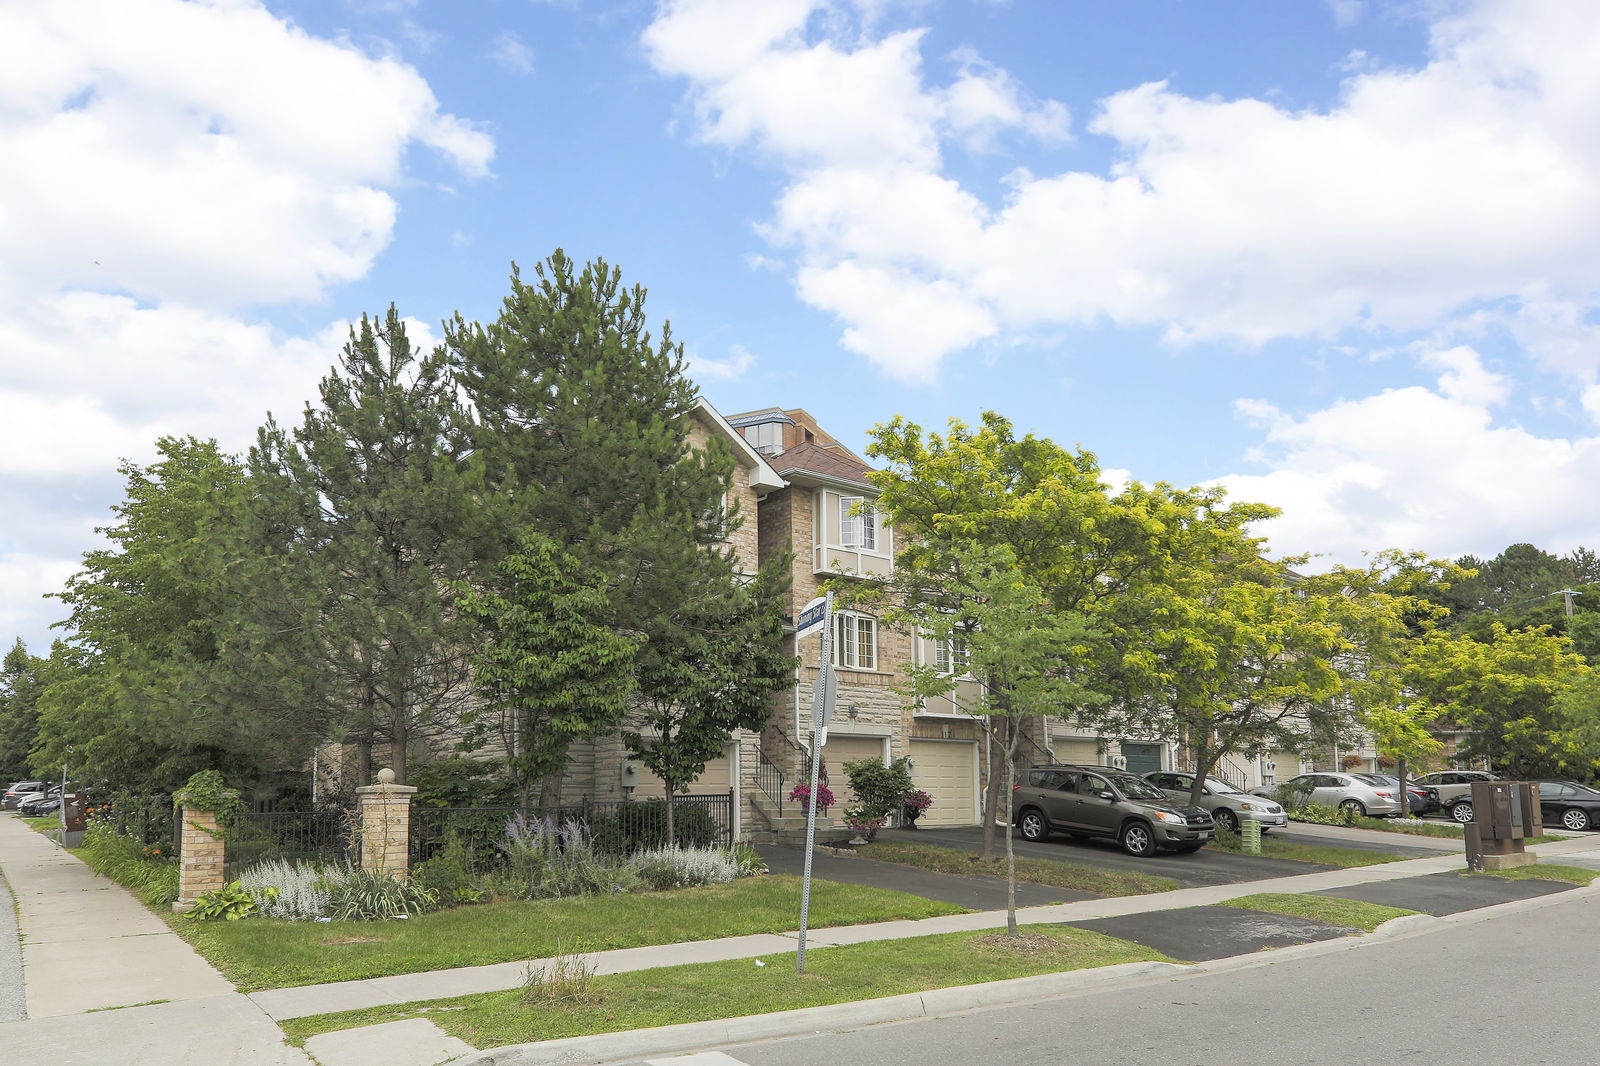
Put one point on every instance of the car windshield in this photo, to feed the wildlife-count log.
(1375, 779)
(1222, 788)
(1138, 788)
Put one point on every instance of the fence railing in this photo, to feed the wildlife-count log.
(616, 827)
(322, 835)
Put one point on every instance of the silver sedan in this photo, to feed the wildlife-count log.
(1362, 794)
(1226, 803)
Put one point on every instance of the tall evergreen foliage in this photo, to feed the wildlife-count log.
(582, 435)
(356, 532)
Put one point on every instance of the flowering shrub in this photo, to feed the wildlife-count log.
(862, 823)
(802, 795)
(157, 851)
(915, 804)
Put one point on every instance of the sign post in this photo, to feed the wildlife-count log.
(816, 615)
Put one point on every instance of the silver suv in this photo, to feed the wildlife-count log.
(1228, 805)
(1102, 801)
(1455, 789)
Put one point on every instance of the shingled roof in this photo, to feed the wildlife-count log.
(833, 463)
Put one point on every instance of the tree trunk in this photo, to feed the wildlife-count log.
(671, 836)
(1400, 775)
(992, 797)
(1011, 857)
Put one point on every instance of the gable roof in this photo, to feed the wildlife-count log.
(817, 462)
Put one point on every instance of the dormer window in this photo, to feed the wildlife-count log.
(765, 437)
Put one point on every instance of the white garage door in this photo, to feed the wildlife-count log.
(947, 770)
(714, 780)
(840, 750)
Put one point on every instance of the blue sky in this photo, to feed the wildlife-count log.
(1335, 255)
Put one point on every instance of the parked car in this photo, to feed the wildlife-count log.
(37, 808)
(1102, 801)
(1569, 804)
(1228, 805)
(1424, 798)
(1364, 794)
(1454, 787)
(20, 790)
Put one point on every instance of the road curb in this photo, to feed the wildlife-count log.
(696, 1035)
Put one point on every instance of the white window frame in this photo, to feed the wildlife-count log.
(848, 631)
(952, 657)
(858, 530)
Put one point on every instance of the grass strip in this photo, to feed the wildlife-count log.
(1036, 871)
(1539, 871)
(706, 991)
(1317, 853)
(265, 953)
(1417, 827)
(1327, 909)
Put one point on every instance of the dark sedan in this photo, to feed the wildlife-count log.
(1569, 804)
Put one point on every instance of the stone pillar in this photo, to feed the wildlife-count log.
(200, 858)
(386, 826)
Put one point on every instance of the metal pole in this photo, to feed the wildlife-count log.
(816, 763)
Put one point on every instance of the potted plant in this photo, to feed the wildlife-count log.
(914, 805)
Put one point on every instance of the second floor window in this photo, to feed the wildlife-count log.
(951, 656)
(855, 641)
(858, 524)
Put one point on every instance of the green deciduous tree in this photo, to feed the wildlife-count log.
(1028, 514)
(129, 693)
(1507, 692)
(553, 667)
(20, 684)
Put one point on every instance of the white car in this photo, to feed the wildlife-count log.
(1228, 805)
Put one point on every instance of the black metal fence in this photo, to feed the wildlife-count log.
(618, 828)
(326, 834)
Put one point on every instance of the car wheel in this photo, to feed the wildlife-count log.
(1033, 825)
(1575, 819)
(1138, 839)
(1354, 807)
(1226, 819)
(1461, 812)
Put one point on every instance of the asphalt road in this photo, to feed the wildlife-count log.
(1515, 990)
(1204, 867)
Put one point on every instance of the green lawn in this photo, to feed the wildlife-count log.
(262, 953)
(1333, 911)
(1038, 871)
(701, 992)
(1283, 849)
(1541, 871)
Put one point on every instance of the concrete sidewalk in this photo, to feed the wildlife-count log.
(88, 947)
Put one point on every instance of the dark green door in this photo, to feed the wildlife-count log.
(1142, 758)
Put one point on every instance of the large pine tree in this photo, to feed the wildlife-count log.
(580, 434)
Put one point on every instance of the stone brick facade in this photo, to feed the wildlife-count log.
(385, 810)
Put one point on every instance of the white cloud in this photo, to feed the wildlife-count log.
(1428, 469)
(1415, 196)
(170, 166)
(734, 367)
(204, 152)
(511, 54)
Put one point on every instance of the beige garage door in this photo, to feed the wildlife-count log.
(840, 750)
(948, 771)
(715, 780)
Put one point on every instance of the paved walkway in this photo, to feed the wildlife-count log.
(88, 945)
